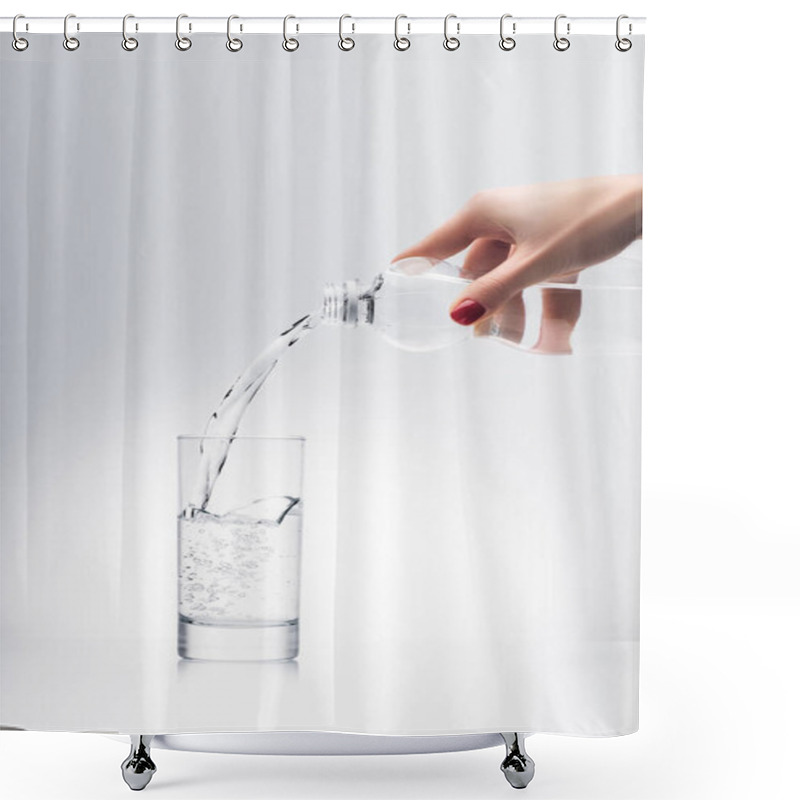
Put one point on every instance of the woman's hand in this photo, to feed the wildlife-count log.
(519, 236)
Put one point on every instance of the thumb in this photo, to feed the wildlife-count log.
(487, 294)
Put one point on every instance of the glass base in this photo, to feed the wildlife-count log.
(276, 642)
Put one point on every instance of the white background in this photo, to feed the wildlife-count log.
(720, 547)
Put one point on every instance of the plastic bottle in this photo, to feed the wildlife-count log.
(409, 305)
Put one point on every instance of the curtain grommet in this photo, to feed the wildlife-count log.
(70, 43)
(401, 43)
(129, 43)
(234, 45)
(289, 44)
(451, 43)
(183, 43)
(507, 42)
(561, 43)
(17, 42)
(346, 43)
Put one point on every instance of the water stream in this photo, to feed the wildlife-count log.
(224, 422)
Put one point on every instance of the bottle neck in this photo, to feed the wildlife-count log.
(349, 303)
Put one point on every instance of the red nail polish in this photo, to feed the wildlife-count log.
(467, 312)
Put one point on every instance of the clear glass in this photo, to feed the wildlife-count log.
(409, 305)
(239, 556)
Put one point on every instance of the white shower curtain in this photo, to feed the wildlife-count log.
(470, 552)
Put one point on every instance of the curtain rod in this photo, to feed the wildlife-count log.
(312, 25)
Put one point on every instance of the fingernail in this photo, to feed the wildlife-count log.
(467, 312)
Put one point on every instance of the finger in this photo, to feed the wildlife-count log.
(451, 237)
(561, 309)
(484, 255)
(485, 295)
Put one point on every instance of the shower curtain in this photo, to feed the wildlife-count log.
(470, 542)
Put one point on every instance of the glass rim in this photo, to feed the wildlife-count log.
(196, 436)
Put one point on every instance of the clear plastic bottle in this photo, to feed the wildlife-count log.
(409, 305)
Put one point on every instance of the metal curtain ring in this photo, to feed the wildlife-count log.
(182, 42)
(451, 42)
(289, 44)
(401, 42)
(128, 42)
(70, 42)
(561, 43)
(346, 42)
(234, 45)
(17, 42)
(622, 44)
(507, 42)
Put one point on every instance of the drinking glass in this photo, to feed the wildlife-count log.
(239, 547)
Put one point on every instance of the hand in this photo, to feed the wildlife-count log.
(522, 235)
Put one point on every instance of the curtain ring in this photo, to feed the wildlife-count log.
(70, 42)
(623, 45)
(561, 43)
(181, 42)
(289, 44)
(401, 42)
(451, 42)
(346, 42)
(234, 45)
(128, 42)
(17, 42)
(507, 42)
